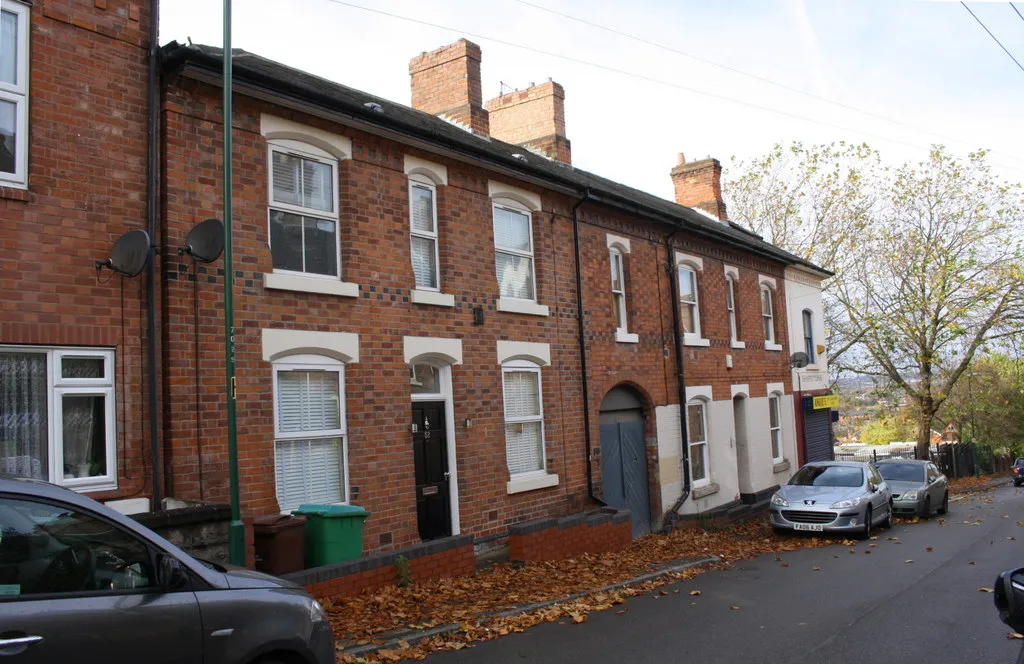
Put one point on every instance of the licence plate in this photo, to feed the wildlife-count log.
(817, 527)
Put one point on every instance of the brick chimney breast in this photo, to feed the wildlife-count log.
(533, 118)
(446, 83)
(698, 184)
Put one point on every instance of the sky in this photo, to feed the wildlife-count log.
(725, 79)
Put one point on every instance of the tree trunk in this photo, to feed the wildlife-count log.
(924, 432)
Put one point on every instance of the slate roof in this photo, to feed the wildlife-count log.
(303, 87)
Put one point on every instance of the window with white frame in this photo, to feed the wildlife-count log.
(304, 234)
(309, 423)
(618, 288)
(730, 305)
(808, 320)
(688, 306)
(57, 416)
(766, 314)
(513, 251)
(524, 418)
(423, 217)
(14, 31)
(697, 432)
(775, 426)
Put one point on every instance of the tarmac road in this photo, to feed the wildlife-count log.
(857, 608)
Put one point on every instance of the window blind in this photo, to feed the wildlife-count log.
(422, 209)
(522, 398)
(424, 261)
(511, 230)
(515, 275)
(309, 471)
(308, 401)
(524, 447)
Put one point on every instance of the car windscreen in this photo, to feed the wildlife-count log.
(850, 476)
(902, 472)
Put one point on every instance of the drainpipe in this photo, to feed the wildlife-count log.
(678, 335)
(583, 345)
(152, 177)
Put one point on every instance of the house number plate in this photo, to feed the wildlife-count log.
(429, 490)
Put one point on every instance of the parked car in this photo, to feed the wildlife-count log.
(1018, 471)
(918, 487)
(79, 581)
(833, 496)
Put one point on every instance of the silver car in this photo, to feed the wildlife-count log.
(833, 496)
(918, 488)
(80, 582)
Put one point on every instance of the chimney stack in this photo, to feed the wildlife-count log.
(446, 82)
(698, 185)
(533, 118)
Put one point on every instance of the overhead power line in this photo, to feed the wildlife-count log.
(643, 77)
(741, 72)
(996, 40)
(1014, 7)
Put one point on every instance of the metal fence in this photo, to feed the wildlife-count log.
(955, 461)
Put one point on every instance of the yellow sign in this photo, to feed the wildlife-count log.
(827, 401)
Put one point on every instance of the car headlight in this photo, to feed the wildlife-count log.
(909, 495)
(779, 501)
(844, 504)
(316, 612)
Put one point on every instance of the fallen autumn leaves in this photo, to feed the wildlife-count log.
(465, 601)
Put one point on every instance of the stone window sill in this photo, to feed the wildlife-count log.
(780, 466)
(521, 484)
(528, 307)
(294, 282)
(690, 339)
(624, 337)
(737, 344)
(434, 298)
(704, 490)
(771, 345)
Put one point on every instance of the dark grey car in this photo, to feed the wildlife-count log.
(918, 487)
(79, 582)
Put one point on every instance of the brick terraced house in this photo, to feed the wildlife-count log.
(408, 305)
(438, 317)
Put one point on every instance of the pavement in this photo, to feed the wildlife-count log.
(868, 605)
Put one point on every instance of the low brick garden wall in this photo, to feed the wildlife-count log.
(451, 556)
(597, 531)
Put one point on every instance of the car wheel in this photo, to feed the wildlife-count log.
(866, 532)
(945, 503)
(887, 524)
(926, 511)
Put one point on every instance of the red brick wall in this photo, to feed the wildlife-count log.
(454, 562)
(534, 117)
(374, 228)
(374, 213)
(86, 186)
(561, 541)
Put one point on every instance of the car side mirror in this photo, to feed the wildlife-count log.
(1009, 598)
(171, 574)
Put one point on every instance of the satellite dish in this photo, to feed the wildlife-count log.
(799, 360)
(129, 254)
(205, 242)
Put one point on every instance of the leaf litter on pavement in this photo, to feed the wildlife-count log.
(468, 601)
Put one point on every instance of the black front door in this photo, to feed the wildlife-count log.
(430, 446)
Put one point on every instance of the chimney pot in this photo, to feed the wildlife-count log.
(681, 160)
